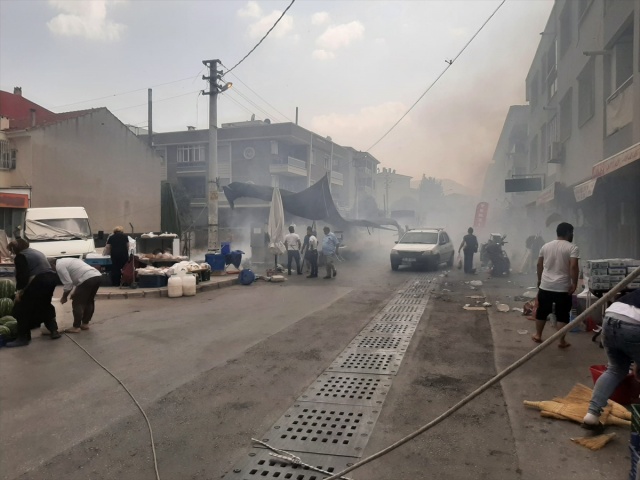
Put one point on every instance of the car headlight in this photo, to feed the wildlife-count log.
(395, 252)
(427, 252)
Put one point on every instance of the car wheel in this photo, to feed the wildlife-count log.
(450, 262)
(394, 266)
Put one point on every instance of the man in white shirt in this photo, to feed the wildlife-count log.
(293, 244)
(73, 272)
(557, 280)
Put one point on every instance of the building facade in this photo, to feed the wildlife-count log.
(87, 158)
(583, 126)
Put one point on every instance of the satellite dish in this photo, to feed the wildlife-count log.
(267, 121)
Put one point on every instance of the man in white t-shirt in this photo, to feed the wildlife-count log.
(293, 244)
(310, 251)
(557, 280)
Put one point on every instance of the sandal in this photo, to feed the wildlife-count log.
(564, 345)
(73, 330)
(536, 339)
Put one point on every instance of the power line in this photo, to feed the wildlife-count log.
(248, 100)
(262, 39)
(449, 64)
(127, 92)
(259, 96)
(238, 103)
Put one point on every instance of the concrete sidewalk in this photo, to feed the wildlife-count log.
(543, 446)
(120, 293)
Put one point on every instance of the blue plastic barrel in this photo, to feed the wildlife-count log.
(226, 248)
(215, 260)
(246, 277)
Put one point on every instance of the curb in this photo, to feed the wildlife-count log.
(162, 291)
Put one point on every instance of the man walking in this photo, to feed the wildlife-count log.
(73, 272)
(293, 244)
(329, 249)
(470, 246)
(310, 249)
(557, 280)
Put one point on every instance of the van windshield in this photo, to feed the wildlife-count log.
(57, 229)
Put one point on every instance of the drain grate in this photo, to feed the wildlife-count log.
(409, 301)
(260, 464)
(404, 309)
(396, 329)
(398, 317)
(364, 362)
(324, 428)
(380, 342)
(348, 389)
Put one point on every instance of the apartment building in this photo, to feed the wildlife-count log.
(282, 155)
(583, 126)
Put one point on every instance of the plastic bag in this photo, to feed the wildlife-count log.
(459, 262)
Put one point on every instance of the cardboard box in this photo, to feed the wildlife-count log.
(599, 286)
(615, 279)
(599, 279)
(591, 264)
(617, 271)
(598, 272)
(616, 262)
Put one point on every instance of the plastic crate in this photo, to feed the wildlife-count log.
(635, 420)
(205, 275)
(626, 393)
(152, 281)
(635, 458)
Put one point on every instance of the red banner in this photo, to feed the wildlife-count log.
(481, 215)
(14, 200)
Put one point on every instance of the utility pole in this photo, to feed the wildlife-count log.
(387, 182)
(213, 181)
(150, 117)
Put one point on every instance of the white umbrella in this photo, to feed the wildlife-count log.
(276, 225)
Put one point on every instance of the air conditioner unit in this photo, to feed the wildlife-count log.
(556, 153)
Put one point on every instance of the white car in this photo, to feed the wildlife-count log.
(425, 247)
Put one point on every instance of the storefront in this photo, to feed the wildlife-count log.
(13, 204)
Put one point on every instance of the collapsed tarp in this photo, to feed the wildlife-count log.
(313, 203)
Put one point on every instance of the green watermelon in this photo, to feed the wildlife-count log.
(7, 288)
(6, 306)
(12, 325)
(6, 318)
(5, 332)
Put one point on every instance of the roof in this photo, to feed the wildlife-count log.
(18, 110)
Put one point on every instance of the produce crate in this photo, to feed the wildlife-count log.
(152, 281)
(635, 418)
(635, 457)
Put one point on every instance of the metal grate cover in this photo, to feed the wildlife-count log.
(324, 428)
(382, 362)
(397, 317)
(409, 301)
(348, 389)
(404, 309)
(260, 464)
(380, 342)
(396, 329)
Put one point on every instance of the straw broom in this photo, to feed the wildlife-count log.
(611, 420)
(581, 393)
(594, 443)
(576, 412)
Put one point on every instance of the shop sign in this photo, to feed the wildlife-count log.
(481, 215)
(616, 161)
(584, 190)
(547, 194)
(14, 200)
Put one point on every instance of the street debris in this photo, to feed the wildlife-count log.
(476, 297)
(486, 304)
(523, 332)
(475, 283)
(502, 307)
(529, 294)
(474, 309)
(518, 309)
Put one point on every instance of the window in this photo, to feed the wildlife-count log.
(565, 28)
(191, 153)
(551, 136)
(533, 155)
(566, 115)
(534, 90)
(551, 64)
(195, 186)
(622, 60)
(7, 156)
(586, 92)
(544, 144)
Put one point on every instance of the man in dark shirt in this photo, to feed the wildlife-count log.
(118, 249)
(470, 246)
(35, 283)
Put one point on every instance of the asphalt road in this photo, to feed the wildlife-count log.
(215, 370)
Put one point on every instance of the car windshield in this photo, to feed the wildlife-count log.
(58, 229)
(429, 238)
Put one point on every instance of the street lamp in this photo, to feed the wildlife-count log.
(213, 182)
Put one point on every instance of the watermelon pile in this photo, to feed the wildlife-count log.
(8, 324)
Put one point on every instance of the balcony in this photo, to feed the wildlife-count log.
(289, 167)
(337, 178)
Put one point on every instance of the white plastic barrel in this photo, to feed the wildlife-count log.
(189, 285)
(174, 286)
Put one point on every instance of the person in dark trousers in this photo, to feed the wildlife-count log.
(118, 249)
(74, 273)
(293, 244)
(621, 341)
(557, 280)
(470, 246)
(311, 252)
(305, 249)
(35, 283)
(329, 252)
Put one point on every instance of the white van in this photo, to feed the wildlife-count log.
(59, 231)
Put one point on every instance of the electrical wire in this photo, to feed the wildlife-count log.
(449, 64)
(262, 39)
(153, 444)
(127, 92)
(248, 100)
(239, 104)
(157, 101)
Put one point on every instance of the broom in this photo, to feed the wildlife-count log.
(611, 420)
(581, 393)
(594, 443)
(575, 412)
